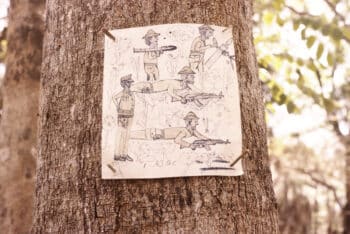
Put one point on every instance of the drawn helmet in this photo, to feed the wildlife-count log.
(150, 33)
(205, 27)
(125, 79)
(186, 70)
(190, 116)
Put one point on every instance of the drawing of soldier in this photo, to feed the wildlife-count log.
(150, 58)
(176, 88)
(177, 134)
(125, 103)
(182, 89)
(199, 46)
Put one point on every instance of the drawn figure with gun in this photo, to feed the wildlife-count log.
(199, 47)
(180, 90)
(179, 134)
(151, 54)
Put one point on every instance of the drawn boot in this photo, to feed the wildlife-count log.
(145, 90)
(128, 158)
(119, 158)
(157, 137)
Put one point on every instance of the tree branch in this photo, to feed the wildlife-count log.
(302, 13)
(321, 182)
(334, 9)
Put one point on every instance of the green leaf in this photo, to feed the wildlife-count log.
(300, 82)
(326, 29)
(282, 99)
(296, 25)
(310, 41)
(278, 4)
(288, 57)
(337, 34)
(291, 107)
(319, 50)
(270, 107)
(329, 105)
(330, 59)
(268, 18)
(346, 33)
(275, 91)
(280, 21)
(303, 34)
(311, 65)
(300, 62)
(315, 24)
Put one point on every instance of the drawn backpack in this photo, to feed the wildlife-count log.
(126, 105)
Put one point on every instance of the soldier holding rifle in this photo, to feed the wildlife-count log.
(179, 134)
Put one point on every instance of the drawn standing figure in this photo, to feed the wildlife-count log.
(150, 58)
(125, 103)
(151, 54)
(199, 47)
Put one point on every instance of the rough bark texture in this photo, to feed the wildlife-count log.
(346, 142)
(18, 129)
(71, 197)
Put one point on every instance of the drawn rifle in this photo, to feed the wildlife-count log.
(161, 49)
(206, 143)
(197, 97)
(221, 50)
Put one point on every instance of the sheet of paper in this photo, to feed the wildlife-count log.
(170, 103)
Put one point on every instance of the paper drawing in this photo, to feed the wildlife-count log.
(170, 103)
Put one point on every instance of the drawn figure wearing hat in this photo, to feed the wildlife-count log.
(150, 58)
(177, 134)
(176, 88)
(125, 103)
(199, 46)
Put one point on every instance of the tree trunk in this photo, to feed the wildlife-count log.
(72, 198)
(18, 129)
(346, 142)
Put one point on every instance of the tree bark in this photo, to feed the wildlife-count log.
(346, 211)
(72, 198)
(18, 129)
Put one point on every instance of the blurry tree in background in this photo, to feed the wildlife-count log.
(303, 49)
(309, 187)
(18, 126)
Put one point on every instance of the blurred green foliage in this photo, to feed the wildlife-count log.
(3, 45)
(309, 73)
(303, 50)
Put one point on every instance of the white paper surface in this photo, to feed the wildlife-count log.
(166, 124)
